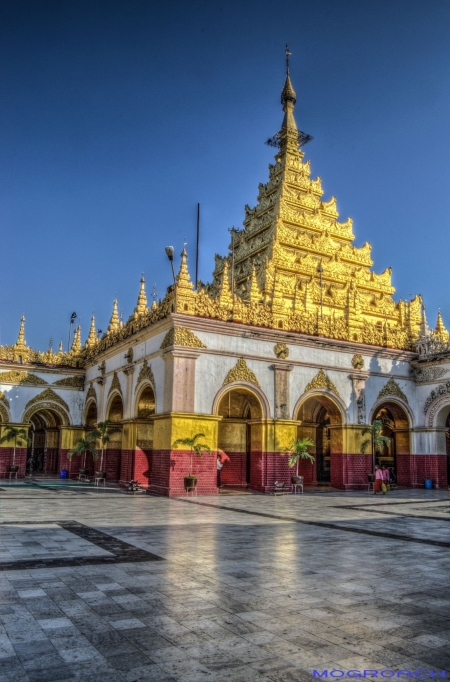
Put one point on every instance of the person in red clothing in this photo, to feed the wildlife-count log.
(378, 480)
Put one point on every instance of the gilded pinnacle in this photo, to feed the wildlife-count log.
(114, 321)
(76, 343)
(92, 338)
(141, 306)
(21, 343)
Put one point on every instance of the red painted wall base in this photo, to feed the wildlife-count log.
(6, 460)
(412, 470)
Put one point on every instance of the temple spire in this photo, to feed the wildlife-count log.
(424, 330)
(92, 338)
(288, 98)
(114, 321)
(183, 279)
(76, 343)
(141, 305)
(440, 330)
(21, 343)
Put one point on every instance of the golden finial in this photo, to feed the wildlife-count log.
(21, 343)
(92, 338)
(60, 347)
(141, 306)
(76, 343)
(441, 331)
(183, 279)
(114, 321)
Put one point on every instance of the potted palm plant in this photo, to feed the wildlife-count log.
(103, 433)
(190, 482)
(299, 450)
(376, 440)
(82, 447)
(20, 437)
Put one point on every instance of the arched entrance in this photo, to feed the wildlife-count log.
(113, 453)
(396, 426)
(239, 434)
(145, 411)
(44, 433)
(320, 420)
(90, 419)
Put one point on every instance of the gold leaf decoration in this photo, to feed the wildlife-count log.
(47, 396)
(115, 385)
(281, 351)
(241, 373)
(321, 381)
(4, 399)
(16, 376)
(181, 336)
(91, 393)
(358, 361)
(145, 373)
(3, 414)
(392, 388)
(73, 382)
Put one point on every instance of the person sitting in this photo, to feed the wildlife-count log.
(378, 480)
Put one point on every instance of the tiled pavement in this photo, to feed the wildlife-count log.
(102, 586)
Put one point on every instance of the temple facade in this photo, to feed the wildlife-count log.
(295, 336)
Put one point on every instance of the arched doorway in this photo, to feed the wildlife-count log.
(239, 435)
(44, 433)
(113, 452)
(396, 426)
(145, 411)
(90, 419)
(320, 420)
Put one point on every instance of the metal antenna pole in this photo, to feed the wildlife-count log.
(198, 240)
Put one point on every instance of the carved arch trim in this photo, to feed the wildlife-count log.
(434, 409)
(334, 397)
(392, 399)
(111, 395)
(234, 385)
(54, 407)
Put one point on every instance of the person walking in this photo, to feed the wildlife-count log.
(219, 469)
(386, 477)
(378, 480)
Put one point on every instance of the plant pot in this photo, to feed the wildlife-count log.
(190, 483)
(296, 480)
(12, 469)
(100, 474)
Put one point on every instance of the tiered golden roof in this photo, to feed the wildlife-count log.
(292, 266)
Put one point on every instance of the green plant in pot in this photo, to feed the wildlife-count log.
(103, 433)
(299, 450)
(190, 482)
(376, 440)
(19, 436)
(82, 447)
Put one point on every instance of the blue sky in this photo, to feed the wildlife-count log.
(116, 118)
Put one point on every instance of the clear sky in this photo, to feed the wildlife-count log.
(117, 117)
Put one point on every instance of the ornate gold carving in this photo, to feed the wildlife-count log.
(241, 372)
(392, 388)
(74, 382)
(4, 399)
(16, 376)
(115, 385)
(3, 414)
(45, 396)
(281, 351)
(358, 361)
(91, 393)
(145, 373)
(321, 381)
(181, 336)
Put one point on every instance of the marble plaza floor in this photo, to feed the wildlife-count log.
(99, 585)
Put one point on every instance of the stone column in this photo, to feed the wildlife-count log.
(282, 393)
(359, 397)
(128, 370)
(179, 380)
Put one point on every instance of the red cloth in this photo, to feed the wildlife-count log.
(377, 485)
